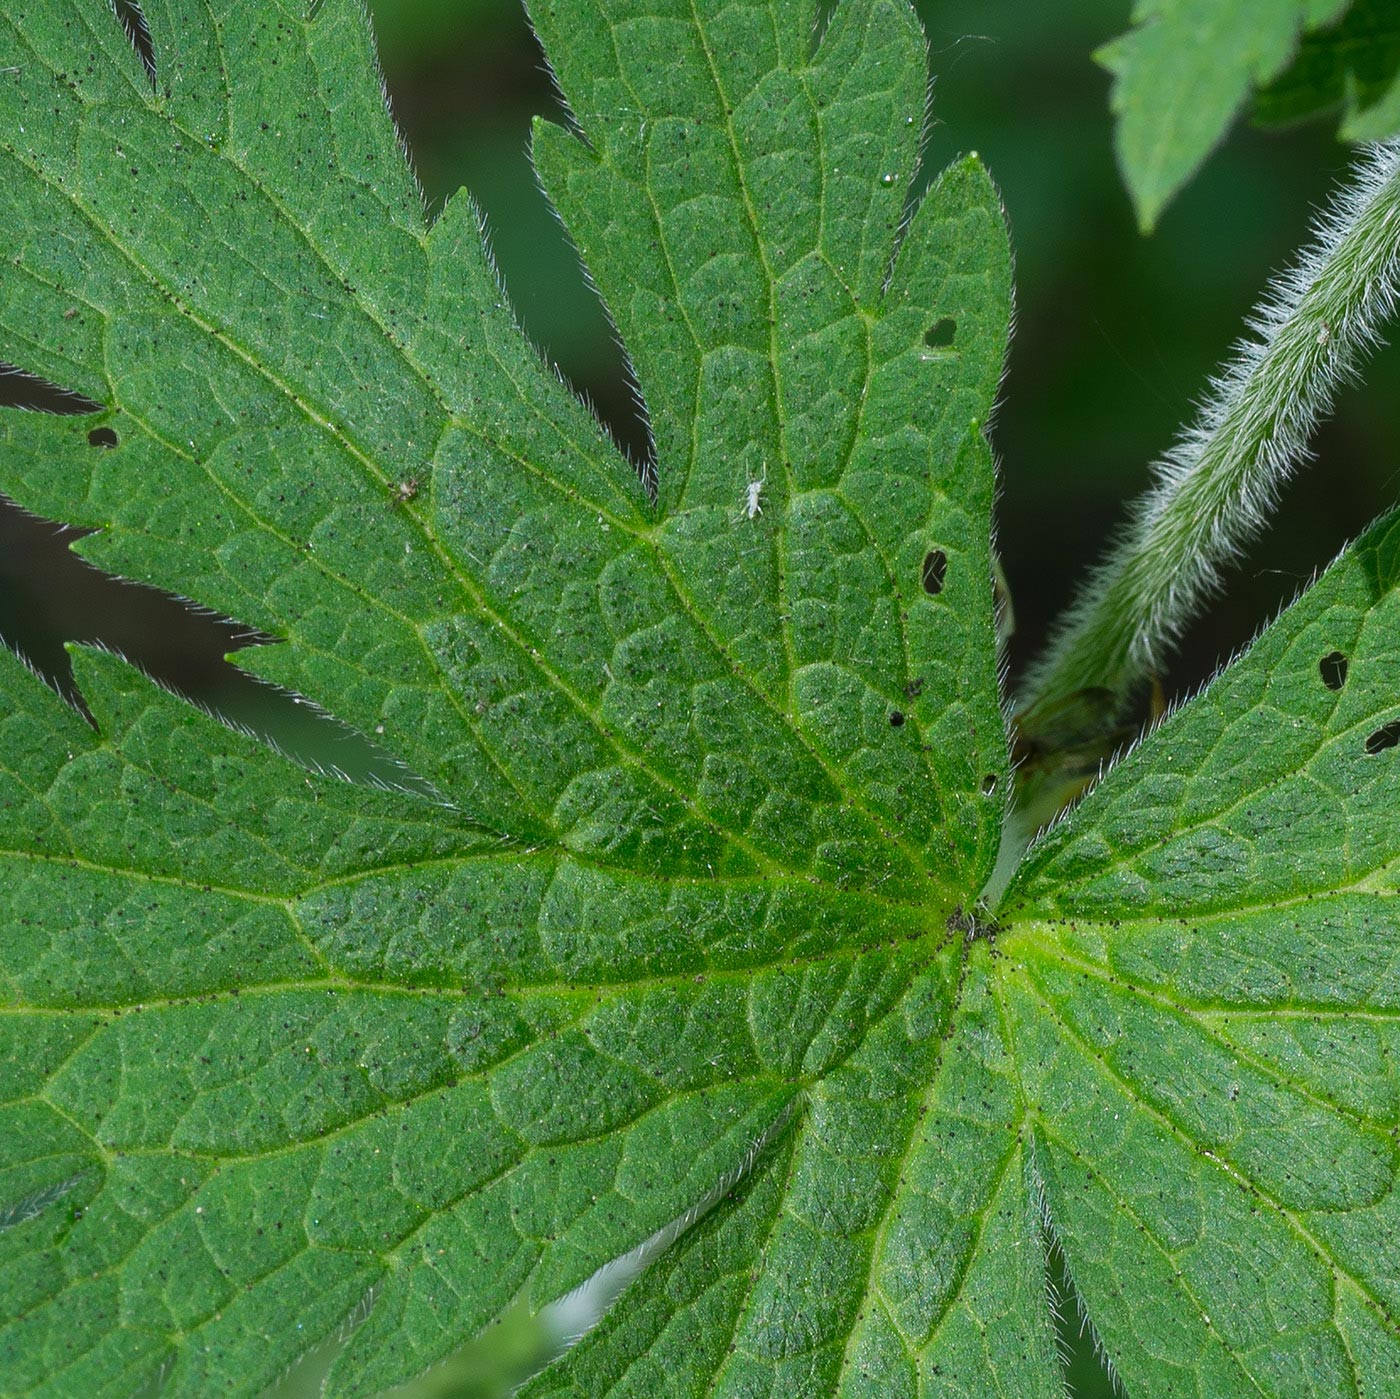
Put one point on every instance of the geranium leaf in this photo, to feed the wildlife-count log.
(715, 773)
(683, 896)
(1206, 1002)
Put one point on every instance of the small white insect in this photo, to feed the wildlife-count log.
(753, 495)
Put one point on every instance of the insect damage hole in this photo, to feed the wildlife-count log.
(1384, 738)
(941, 334)
(935, 570)
(103, 437)
(989, 784)
(1333, 668)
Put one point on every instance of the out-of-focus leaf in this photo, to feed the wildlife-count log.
(1182, 75)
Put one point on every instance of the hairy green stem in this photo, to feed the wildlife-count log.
(1218, 484)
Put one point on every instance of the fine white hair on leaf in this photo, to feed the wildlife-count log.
(1217, 485)
(1063, 1293)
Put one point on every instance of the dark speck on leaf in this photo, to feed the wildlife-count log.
(896, 718)
(972, 925)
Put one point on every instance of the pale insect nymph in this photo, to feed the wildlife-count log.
(753, 495)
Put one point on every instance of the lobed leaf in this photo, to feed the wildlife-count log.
(707, 813)
(1204, 993)
(717, 775)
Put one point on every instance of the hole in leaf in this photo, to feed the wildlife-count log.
(26, 391)
(1333, 667)
(1384, 738)
(941, 334)
(133, 21)
(935, 571)
(989, 784)
(103, 437)
(896, 718)
(49, 596)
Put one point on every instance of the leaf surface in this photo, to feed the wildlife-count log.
(715, 772)
(718, 775)
(1205, 997)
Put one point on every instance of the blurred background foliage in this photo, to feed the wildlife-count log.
(1116, 335)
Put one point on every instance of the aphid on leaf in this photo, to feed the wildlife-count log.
(406, 491)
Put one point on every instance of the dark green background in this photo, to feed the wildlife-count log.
(1115, 334)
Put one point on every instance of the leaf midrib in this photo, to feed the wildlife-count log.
(896, 1197)
(1223, 1347)
(1329, 741)
(1201, 1018)
(334, 978)
(513, 854)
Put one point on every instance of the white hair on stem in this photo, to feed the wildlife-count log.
(1218, 483)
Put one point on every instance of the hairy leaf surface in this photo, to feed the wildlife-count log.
(719, 775)
(1205, 999)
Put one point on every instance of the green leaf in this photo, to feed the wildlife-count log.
(716, 771)
(1182, 75)
(718, 776)
(1205, 1002)
(1352, 67)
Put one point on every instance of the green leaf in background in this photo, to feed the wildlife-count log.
(1183, 74)
(717, 778)
(1352, 67)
